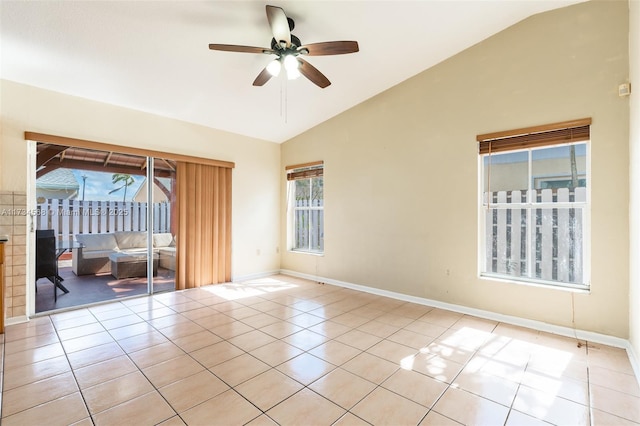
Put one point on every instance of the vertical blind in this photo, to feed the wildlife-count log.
(204, 218)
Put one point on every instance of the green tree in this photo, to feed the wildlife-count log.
(125, 180)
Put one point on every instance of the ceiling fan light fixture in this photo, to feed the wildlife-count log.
(293, 73)
(274, 67)
(291, 63)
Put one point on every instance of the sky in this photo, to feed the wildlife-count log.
(98, 185)
(538, 154)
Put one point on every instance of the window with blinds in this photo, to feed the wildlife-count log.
(535, 203)
(306, 207)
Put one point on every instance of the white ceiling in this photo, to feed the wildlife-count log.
(153, 56)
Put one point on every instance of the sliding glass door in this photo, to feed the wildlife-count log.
(118, 227)
(165, 224)
(112, 217)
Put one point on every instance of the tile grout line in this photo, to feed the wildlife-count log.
(73, 372)
(515, 395)
(589, 401)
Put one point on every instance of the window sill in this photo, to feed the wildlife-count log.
(540, 284)
(312, 253)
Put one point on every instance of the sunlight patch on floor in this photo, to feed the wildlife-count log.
(236, 291)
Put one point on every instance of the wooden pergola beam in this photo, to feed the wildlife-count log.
(48, 154)
(98, 167)
(169, 165)
(99, 146)
(106, 161)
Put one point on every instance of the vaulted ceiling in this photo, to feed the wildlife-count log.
(153, 56)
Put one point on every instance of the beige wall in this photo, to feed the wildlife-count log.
(634, 160)
(401, 169)
(255, 179)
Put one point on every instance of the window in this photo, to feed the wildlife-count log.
(534, 207)
(306, 207)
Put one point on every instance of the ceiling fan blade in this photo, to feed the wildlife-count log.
(279, 24)
(242, 49)
(313, 74)
(329, 48)
(262, 78)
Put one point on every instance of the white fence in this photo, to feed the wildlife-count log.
(70, 217)
(543, 242)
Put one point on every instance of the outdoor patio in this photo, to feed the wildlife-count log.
(88, 289)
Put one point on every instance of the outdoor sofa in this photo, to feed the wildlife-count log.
(126, 251)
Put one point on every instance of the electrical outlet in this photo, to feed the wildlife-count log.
(258, 252)
(624, 89)
(277, 250)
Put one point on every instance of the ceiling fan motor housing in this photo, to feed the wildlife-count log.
(295, 43)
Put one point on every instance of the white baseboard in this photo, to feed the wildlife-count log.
(509, 319)
(635, 361)
(16, 320)
(255, 276)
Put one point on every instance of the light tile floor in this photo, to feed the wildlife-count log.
(287, 351)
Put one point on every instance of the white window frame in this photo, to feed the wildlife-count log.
(531, 207)
(291, 216)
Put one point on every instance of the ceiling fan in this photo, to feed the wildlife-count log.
(289, 51)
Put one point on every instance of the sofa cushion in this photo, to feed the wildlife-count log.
(96, 254)
(120, 257)
(97, 242)
(168, 251)
(131, 239)
(138, 250)
(162, 239)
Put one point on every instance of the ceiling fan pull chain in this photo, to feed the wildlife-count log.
(281, 98)
(286, 100)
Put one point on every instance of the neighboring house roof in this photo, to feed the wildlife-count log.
(158, 194)
(58, 179)
(166, 182)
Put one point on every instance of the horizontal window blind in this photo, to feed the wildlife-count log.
(305, 171)
(537, 136)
